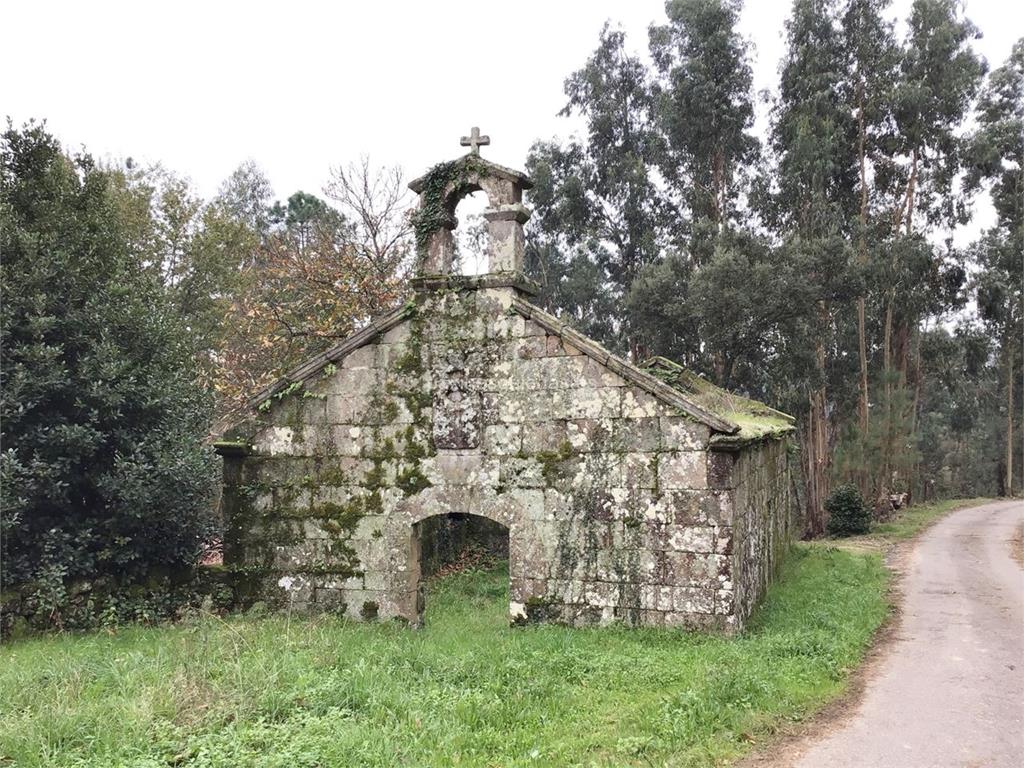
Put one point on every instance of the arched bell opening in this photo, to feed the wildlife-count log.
(495, 245)
(472, 235)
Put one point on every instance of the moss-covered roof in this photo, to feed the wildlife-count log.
(756, 420)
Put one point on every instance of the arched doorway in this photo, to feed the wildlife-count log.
(446, 543)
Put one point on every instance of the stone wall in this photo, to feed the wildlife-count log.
(765, 519)
(469, 407)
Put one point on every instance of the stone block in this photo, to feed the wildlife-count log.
(503, 439)
(352, 441)
(682, 470)
(531, 347)
(513, 505)
(636, 435)
(724, 603)
(276, 441)
(521, 472)
(640, 470)
(724, 540)
(363, 357)
(544, 436)
(345, 409)
(636, 404)
(600, 594)
(352, 381)
(587, 435)
(693, 600)
(683, 507)
(557, 505)
(400, 334)
(720, 469)
(593, 374)
(532, 328)
(588, 403)
(679, 433)
(692, 539)
(717, 507)
(553, 346)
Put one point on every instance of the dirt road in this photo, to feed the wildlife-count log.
(950, 691)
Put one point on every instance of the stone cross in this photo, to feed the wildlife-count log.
(475, 140)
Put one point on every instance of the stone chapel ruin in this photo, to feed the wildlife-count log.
(632, 493)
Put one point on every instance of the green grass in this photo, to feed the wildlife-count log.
(467, 690)
(905, 524)
(909, 522)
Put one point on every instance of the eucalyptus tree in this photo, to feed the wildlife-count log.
(600, 190)
(996, 154)
(938, 78)
(703, 107)
(811, 202)
(690, 305)
(873, 59)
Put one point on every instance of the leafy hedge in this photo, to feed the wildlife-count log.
(848, 515)
(103, 475)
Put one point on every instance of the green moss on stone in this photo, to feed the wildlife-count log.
(755, 420)
(411, 481)
(551, 462)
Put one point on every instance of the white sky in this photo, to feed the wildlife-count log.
(300, 86)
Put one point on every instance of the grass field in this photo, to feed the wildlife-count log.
(905, 524)
(467, 690)
(909, 522)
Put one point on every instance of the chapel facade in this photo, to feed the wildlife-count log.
(628, 493)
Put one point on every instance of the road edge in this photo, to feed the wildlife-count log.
(786, 746)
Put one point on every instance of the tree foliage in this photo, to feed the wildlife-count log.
(317, 274)
(815, 271)
(601, 216)
(104, 473)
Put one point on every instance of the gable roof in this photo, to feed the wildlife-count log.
(483, 166)
(756, 421)
(631, 373)
(738, 419)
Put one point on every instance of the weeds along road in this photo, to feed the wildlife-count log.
(950, 691)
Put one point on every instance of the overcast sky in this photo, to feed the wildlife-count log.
(300, 86)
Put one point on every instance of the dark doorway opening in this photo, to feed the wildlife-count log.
(444, 545)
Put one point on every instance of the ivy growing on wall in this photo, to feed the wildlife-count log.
(433, 213)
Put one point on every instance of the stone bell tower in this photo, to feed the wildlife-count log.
(442, 188)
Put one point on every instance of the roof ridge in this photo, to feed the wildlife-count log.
(627, 370)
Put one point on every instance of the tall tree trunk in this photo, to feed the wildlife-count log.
(816, 444)
(817, 439)
(718, 181)
(911, 189)
(915, 405)
(903, 217)
(1009, 419)
(885, 452)
(862, 247)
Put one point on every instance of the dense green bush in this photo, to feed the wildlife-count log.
(104, 475)
(847, 513)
